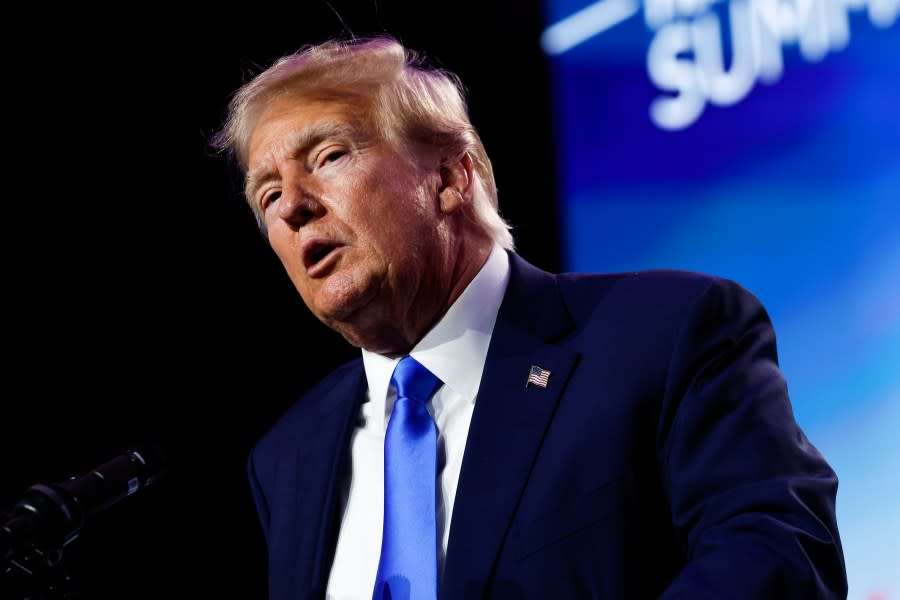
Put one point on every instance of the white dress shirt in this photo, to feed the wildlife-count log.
(455, 350)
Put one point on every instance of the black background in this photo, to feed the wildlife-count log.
(141, 304)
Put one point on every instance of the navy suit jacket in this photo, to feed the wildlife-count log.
(662, 460)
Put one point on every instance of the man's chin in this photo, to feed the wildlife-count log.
(349, 316)
(365, 328)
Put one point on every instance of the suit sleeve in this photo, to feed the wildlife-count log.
(752, 500)
(259, 499)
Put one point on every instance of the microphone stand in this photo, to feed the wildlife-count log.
(32, 572)
(51, 515)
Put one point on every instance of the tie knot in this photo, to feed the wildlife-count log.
(413, 380)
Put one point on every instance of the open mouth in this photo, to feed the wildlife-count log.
(316, 252)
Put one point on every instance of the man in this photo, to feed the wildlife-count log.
(598, 436)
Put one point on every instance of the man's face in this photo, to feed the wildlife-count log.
(356, 225)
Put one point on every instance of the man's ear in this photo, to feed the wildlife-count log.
(456, 183)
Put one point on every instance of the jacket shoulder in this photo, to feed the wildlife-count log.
(301, 414)
(651, 289)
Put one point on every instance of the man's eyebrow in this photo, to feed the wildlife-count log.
(296, 144)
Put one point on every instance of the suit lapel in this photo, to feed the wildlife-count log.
(507, 426)
(319, 465)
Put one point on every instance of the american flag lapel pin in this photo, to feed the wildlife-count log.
(537, 376)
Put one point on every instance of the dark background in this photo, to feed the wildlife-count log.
(142, 306)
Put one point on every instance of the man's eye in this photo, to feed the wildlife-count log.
(332, 155)
(270, 198)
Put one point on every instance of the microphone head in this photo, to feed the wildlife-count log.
(112, 481)
(52, 514)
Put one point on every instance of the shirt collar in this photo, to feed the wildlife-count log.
(454, 349)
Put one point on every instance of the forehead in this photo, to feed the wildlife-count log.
(291, 122)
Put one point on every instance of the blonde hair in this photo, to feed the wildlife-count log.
(411, 103)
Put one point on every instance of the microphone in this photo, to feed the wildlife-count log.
(50, 515)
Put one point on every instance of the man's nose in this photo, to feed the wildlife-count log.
(299, 204)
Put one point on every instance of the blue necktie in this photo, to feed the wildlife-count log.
(408, 566)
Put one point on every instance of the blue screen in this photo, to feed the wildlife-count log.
(758, 140)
